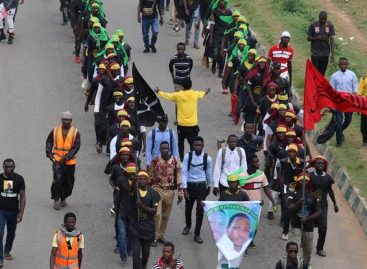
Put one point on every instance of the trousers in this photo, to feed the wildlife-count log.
(320, 62)
(189, 133)
(194, 19)
(197, 192)
(342, 125)
(146, 24)
(364, 128)
(163, 211)
(305, 241)
(141, 248)
(63, 183)
(8, 218)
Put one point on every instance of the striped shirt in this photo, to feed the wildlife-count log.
(281, 55)
(180, 67)
(158, 264)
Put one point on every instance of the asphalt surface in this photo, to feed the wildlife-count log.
(39, 80)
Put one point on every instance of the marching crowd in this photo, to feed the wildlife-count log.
(260, 91)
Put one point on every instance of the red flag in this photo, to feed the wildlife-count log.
(319, 94)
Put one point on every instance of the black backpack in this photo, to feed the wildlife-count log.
(205, 161)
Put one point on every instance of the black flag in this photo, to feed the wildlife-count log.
(148, 105)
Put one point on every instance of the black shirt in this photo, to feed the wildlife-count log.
(290, 171)
(310, 207)
(256, 86)
(125, 206)
(220, 26)
(321, 47)
(149, 4)
(252, 146)
(321, 185)
(239, 196)
(10, 188)
(144, 228)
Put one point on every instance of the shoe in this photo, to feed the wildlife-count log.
(186, 41)
(270, 215)
(77, 59)
(11, 38)
(8, 257)
(2, 35)
(153, 49)
(338, 145)
(186, 230)
(170, 22)
(196, 46)
(252, 245)
(182, 24)
(57, 205)
(64, 23)
(176, 28)
(214, 68)
(321, 253)
(154, 243)
(147, 49)
(63, 203)
(220, 74)
(116, 250)
(161, 241)
(99, 147)
(198, 239)
(124, 262)
(112, 211)
(225, 92)
(285, 237)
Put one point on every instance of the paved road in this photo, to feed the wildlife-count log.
(39, 80)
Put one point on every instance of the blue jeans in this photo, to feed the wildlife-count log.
(195, 18)
(10, 219)
(341, 126)
(122, 240)
(146, 23)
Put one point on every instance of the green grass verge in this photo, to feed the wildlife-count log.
(356, 9)
(269, 18)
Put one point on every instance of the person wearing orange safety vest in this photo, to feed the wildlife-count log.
(62, 145)
(67, 245)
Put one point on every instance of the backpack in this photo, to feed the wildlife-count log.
(205, 161)
(170, 140)
(224, 156)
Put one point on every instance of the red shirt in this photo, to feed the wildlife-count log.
(281, 55)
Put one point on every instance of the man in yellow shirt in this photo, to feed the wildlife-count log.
(362, 90)
(187, 112)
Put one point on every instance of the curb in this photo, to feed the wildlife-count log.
(351, 194)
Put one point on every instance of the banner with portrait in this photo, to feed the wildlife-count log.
(233, 225)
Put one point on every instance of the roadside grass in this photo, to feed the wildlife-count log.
(356, 9)
(269, 18)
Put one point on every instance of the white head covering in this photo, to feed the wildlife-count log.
(66, 115)
(285, 34)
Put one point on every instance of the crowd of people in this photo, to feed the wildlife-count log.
(260, 91)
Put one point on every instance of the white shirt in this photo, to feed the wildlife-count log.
(113, 146)
(231, 163)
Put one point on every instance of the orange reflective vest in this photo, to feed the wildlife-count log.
(66, 256)
(62, 147)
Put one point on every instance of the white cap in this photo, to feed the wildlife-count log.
(285, 34)
(66, 115)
